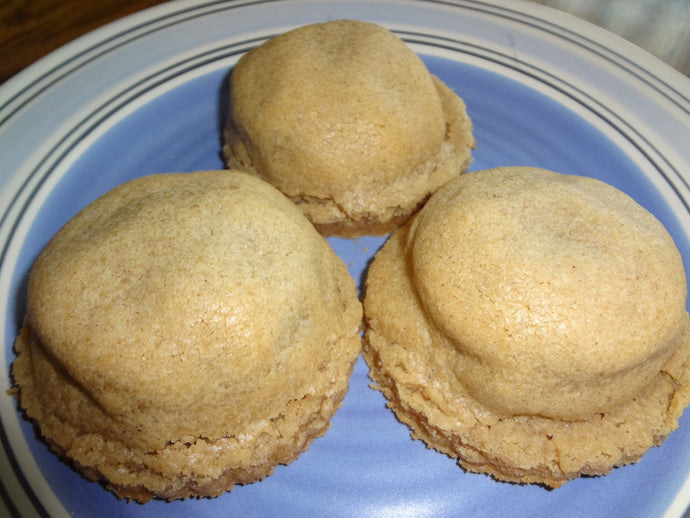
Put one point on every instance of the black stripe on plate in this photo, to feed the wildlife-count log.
(4, 494)
(615, 58)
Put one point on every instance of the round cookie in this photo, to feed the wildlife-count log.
(347, 121)
(185, 333)
(532, 325)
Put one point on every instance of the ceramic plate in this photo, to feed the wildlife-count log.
(147, 95)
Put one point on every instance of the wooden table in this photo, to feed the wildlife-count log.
(30, 29)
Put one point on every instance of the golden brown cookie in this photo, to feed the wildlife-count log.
(533, 325)
(347, 121)
(185, 333)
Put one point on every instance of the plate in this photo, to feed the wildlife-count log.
(147, 94)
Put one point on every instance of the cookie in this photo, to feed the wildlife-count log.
(185, 333)
(346, 120)
(532, 325)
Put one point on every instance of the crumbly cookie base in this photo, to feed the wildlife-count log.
(364, 226)
(425, 395)
(169, 473)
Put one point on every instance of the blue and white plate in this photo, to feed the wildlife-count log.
(146, 95)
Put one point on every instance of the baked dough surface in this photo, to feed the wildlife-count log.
(533, 325)
(346, 120)
(184, 333)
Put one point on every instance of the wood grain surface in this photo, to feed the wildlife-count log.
(31, 29)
